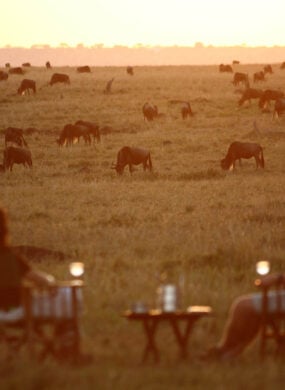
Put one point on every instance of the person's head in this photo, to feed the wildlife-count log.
(3, 228)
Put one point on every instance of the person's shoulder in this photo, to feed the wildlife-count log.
(9, 252)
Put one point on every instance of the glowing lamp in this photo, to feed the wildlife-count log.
(263, 267)
(76, 269)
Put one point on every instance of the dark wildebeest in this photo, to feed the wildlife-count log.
(282, 66)
(130, 70)
(3, 75)
(225, 68)
(269, 94)
(48, 65)
(268, 69)
(17, 70)
(15, 135)
(59, 78)
(14, 155)
(83, 69)
(26, 64)
(248, 94)
(7, 65)
(93, 129)
(132, 156)
(279, 107)
(240, 78)
(149, 111)
(239, 150)
(186, 110)
(258, 76)
(235, 62)
(27, 85)
(72, 132)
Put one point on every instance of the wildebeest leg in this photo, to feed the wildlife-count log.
(130, 168)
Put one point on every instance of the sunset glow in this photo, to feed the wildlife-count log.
(147, 22)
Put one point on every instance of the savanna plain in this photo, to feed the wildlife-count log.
(188, 219)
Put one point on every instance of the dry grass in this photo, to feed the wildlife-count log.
(188, 216)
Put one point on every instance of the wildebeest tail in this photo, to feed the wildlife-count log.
(262, 158)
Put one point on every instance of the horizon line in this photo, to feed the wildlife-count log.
(197, 45)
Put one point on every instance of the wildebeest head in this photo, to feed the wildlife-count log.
(225, 164)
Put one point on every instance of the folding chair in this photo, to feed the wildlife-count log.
(12, 325)
(47, 322)
(273, 317)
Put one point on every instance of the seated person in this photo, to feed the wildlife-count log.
(14, 270)
(244, 320)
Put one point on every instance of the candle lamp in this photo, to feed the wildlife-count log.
(263, 267)
(76, 269)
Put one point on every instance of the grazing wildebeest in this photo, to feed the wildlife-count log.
(48, 65)
(132, 156)
(17, 70)
(235, 62)
(26, 64)
(15, 135)
(83, 69)
(279, 107)
(27, 85)
(186, 110)
(3, 75)
(268, 69)
(72, 132)
(15, 155)
(240, 78)
(149, 111)
(282, 66)
(238, 150)
(258, 76)
(59, 78)
(93, 129)
(269, 94)
(225, 68)
(248, 94)
(130, 70)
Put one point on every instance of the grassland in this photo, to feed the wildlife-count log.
(187, 218)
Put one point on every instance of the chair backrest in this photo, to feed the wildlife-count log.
(273, 316)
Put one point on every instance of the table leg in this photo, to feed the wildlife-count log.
(182, 337)
(150, 328)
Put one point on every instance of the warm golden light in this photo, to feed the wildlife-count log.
(263, 267)
(76, 269)
(215, 23)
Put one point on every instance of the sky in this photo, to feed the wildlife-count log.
(24, 23)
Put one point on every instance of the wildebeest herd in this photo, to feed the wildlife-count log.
(17, 151)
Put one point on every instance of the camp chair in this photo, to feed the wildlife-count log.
(47, 322)
(273, 317)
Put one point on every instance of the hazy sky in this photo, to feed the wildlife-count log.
(149, 22)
